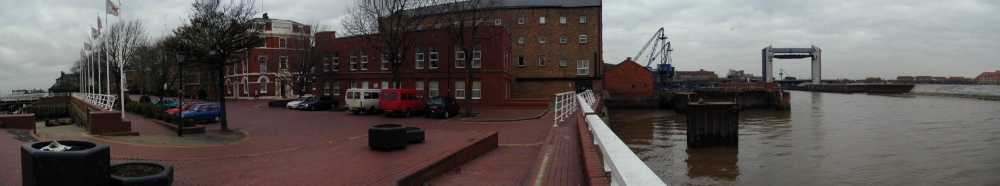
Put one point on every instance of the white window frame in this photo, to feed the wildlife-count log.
(520, 61)
(419, 85)
(282, 42)
(246, 65)
(583, 19)
(541, 20)
(562, 20)
(385, 84)
(541, 39)
(562, 62)
(364, 59)
(263, 64)
(497, 21)
(459, 89)
(364, 84)
(419, 55)
(520, 40)
(434, 57)
(336, 88)
(326, 88)
(582, 39)
(282, 62)
(385, 62)
(336, 62)
(477, 56)
(434, 87)
(541, 60)
(520, 20)
(263, 84)
(354, 60)
(582, 67)
(354, 84)
(459, 56)
(563, 40)
(477, 90)
(326, 63)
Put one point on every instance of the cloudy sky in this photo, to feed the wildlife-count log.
(859, 38)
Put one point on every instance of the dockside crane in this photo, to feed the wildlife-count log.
(663, 74)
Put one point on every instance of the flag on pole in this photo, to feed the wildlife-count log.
(94, 32)
(88, 46)
(82, 55)
(98, 22)
(112, 9)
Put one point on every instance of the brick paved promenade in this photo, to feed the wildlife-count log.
(288, 147)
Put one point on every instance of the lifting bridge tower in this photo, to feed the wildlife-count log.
(768, 54)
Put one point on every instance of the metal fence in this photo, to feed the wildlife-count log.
(564, 106)
(100, 100)
(619, 161)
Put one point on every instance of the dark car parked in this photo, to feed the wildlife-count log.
(318, 103)
(444, 106)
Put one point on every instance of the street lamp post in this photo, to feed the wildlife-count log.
(180, 109)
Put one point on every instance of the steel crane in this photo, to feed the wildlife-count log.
(664, 72)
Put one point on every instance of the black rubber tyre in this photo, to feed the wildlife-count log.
(387, 137)
(356, 112)
(414, 135)
(89, 165)
(165, 177)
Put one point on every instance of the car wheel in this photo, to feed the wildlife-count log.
(192, 120)
(218, 119)
(407, 112)
(427, 115)
(356, 112)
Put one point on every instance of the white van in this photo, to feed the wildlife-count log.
(363, 100)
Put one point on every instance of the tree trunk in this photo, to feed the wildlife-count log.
(220, 77)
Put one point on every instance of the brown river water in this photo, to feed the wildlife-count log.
(830, 139)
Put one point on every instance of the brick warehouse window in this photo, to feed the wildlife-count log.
(459, 89)
(520, 61)
(583, 19)
(562, 39)
(336, 88)
(434, 57)
(385, 62)
(283, 62)
(336, 62)
(582, 67)
(520, 40)
(282, 43)
(541, 61)
(497, 22)
(354, 60)
(263, 63)
(520, 20)
(477, 90)
(246, 63)
(433, 88)
(541, 39)
(263, 84)
(541, 20)
(326, 63)
(459, 56)
(326, 88)
(364, 60)
(263, 42)
(583, 38)
(562, 20)
(562, 62)
(420, 57)
(477, 56)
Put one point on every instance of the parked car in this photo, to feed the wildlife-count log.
(184, 107)
(362, 100)
(444, 106)
(401, 101)
(202, 112)
(318, 103)
(295, 104)
(165, 103)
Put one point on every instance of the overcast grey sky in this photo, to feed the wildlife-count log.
(859, 38)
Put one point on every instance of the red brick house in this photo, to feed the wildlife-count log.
(266, 70)
(628, 79)
(988, 78)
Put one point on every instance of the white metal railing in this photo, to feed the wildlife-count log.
(565, 105)
(22, 97)
(619, 161)
(100, 100)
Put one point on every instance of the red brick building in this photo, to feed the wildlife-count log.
(988, 78)
(268, 70)
(628, 79)
(430, 66)
(696, 76)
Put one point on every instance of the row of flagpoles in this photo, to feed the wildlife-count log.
(90, 70)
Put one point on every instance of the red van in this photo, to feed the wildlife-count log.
(401, 101)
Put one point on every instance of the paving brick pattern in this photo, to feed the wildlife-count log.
(289, 147)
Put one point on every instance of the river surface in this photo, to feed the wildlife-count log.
(830, 139)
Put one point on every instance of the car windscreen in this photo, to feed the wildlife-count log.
(303, 98)
(435, 101)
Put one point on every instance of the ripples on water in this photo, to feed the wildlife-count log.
(830, 139)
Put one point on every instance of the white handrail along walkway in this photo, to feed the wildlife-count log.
(619, 161)
(565, 105)
(100, 100)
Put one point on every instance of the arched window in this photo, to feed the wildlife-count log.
(263, 84)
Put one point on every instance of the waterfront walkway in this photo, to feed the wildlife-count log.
(276, 146)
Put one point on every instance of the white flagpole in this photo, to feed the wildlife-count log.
(121, 71)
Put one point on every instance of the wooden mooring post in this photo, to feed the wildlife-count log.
(712, 124)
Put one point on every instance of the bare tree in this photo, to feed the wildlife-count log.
(120, 45)
(300, 62)
(158, 65)
(215, 32)
(467, 29)
(386, 26)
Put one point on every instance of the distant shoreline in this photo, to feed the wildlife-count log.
(981, 97)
